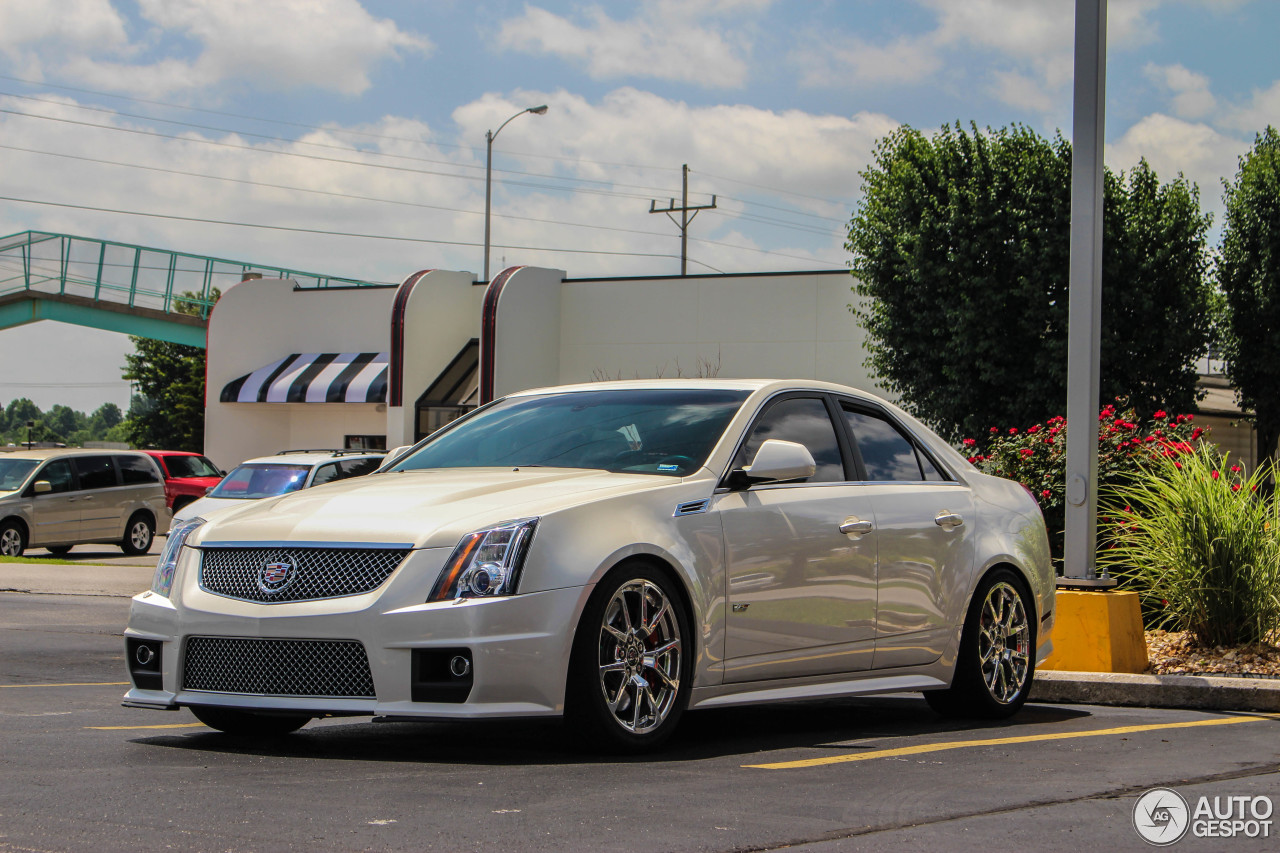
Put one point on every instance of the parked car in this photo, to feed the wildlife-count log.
(57, 499)
(187, 476)
(272, 476)
(615, 553)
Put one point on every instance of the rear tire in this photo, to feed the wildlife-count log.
(247, 723)
(996, 662)
(13, 539)
(631, 668)
(138, 535)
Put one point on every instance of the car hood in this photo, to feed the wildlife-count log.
(428, 509)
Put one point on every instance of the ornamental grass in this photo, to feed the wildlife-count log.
(1200, 543)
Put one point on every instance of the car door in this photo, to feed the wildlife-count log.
(103, 505)
(924, 522)
(801, 592)
(56, 513)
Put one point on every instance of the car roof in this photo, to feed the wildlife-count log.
(41, 453)
(314, 458)
(716, 384)
(151, 452)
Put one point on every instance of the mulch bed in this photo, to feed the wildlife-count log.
(1178, 653)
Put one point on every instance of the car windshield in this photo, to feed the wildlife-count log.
(644, 431)
(261, 480)
(190, 466)
(13, 473)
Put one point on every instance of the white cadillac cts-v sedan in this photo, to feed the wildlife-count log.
(615, 553)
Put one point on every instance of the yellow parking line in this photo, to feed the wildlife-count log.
(165, 726)
(73, 684)
(1000, 741)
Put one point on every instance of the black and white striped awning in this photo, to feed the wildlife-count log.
(314, 377)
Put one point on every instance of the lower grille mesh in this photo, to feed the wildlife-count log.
(311, 668)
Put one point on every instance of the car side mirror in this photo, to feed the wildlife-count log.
(775, 462)
(41, 487)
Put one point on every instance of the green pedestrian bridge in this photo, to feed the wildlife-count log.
(151, 293)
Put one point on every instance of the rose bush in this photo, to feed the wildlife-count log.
(1036, 456)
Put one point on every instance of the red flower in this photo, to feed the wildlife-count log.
(995, 429)
(1178, 465)
(973, 459)
(1150, 439)
(1013, 430)
(1045, 493)
(1160, 415)
(1196, 433)
(1215, 475)
(1033, 430)
(969, 442)
(1235, 469)
(1026, 451)
(1235, 487)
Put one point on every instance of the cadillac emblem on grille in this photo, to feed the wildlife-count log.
(275, 577)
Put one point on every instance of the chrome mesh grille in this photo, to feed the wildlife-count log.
(315, 573)
(312, 668)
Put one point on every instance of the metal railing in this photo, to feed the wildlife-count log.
(134, 276)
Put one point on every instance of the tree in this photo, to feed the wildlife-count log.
(961, 249)
(1249, 277)
(169, 411)
(105, 417)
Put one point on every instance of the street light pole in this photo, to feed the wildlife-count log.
(489, 136)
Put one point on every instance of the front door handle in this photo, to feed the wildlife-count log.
(854, 526)
(948, 519)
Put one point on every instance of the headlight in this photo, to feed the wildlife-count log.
(486, 563)
(162, 584)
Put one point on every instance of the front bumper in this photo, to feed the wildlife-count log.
(518, 645)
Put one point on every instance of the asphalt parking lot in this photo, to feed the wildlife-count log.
(79, 772)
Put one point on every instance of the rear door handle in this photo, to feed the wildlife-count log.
(948, 519)
(854, 526)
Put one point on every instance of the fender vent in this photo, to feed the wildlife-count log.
(692, 507)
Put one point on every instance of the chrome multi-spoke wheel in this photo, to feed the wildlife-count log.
(1004, 643)
(639, 656)
(996, 659)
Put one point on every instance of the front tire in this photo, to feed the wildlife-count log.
(996, 662)
(247, 723)
(13, 539)
(630, 671)
(138, 535)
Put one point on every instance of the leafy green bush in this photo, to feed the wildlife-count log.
(1037, 455)
(1201, 545)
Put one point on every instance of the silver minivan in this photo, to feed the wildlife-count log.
(59, 498)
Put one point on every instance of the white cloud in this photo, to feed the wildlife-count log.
(667, 40)
(276, 44)
(842, 60)
(1172, 145)
(1262, 109)
(1192, 98)
(79, 24)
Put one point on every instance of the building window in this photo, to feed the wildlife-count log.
(364, 442)
(452, 394)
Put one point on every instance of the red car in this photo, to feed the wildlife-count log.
(187, 476)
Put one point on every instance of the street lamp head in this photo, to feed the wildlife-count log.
(538, 110)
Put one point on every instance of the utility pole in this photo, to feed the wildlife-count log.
(685, 218)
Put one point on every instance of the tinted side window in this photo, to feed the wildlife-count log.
(886, 453)
(325, 474)
(136, 469)
(357, 467)
(58, 473)
(803, 420)
(96, 472)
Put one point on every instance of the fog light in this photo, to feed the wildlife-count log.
(144, 655)
(459, 666)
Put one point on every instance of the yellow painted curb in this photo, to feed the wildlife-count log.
(1097, 632)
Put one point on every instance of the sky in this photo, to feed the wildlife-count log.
(267, 121)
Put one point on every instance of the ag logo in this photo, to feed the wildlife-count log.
(1161, 816)
(275, 576)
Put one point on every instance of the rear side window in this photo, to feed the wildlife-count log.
(326, 474)
(96, 472)
(887, 454)
(357, 467)
(135, 470)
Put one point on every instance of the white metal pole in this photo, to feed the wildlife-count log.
(488, 186)
(1085, 280)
